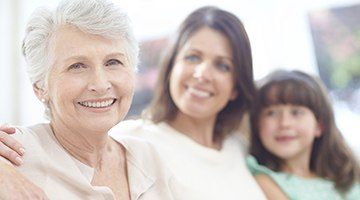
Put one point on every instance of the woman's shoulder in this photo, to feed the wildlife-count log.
(131, 127)
(126, 126)
(156, 133)
(143, 155)
(239, 140)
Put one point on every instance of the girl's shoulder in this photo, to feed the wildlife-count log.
(256, 168)
(354, 192)
(296, 187)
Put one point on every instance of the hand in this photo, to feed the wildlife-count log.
(14, 186)
(10, 149)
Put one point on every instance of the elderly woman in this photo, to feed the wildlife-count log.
(81, 60)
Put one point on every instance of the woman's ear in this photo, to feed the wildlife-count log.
(234, 95)
(319, 130)
(40, 93)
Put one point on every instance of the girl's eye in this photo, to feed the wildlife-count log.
(297, 111)
(223, 67)
(113, 62)
(77, 66)
(270, 112)
(192, 58)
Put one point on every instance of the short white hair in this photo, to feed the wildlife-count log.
(99, 17)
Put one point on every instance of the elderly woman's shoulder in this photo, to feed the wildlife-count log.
(37, 132)
(142, 153)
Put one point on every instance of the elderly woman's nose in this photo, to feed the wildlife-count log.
(99, 81)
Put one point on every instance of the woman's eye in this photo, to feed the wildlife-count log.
(192, 58)
(113, 62)
(223, 67)
(76, 66)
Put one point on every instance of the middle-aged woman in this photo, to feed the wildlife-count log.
(205, 86)
(81, 59)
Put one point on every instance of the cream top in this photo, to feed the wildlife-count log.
(204, 173)
(61, 176)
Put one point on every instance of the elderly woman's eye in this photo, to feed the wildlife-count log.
(76, 66)
(113, 62)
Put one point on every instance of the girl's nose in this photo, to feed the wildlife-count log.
(285, 119)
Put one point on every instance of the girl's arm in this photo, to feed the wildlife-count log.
(270, 188)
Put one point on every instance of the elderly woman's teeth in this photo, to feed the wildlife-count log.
(99, 104)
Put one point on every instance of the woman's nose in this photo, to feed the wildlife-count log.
(202, 72)
(99, 81)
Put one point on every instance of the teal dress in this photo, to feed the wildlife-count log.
(297, 188)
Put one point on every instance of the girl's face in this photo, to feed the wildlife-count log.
(202, 80)
(288, 131)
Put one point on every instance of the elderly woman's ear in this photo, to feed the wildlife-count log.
(41, 94)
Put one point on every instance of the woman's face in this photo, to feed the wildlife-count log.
(202, 80)
(91, 83)
(288, 131)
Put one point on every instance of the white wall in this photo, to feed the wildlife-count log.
(5, 63)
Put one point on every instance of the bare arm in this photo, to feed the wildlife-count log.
(10, 148)
(270, 188)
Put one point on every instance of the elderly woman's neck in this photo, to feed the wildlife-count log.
(86, 146)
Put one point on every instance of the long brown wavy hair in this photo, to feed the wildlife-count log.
(330, 158)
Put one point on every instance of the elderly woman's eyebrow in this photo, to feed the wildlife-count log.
(76, 58)
(117, 54)
(83, 57)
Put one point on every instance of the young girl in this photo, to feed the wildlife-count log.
(298, 152)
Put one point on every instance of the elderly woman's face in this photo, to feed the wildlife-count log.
(91, 83)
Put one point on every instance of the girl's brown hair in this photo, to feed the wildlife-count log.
(163, 107)
(330, 158)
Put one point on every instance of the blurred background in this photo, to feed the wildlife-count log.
(321, 37)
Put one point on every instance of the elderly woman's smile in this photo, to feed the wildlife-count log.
(98, 104)
(91, 82)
